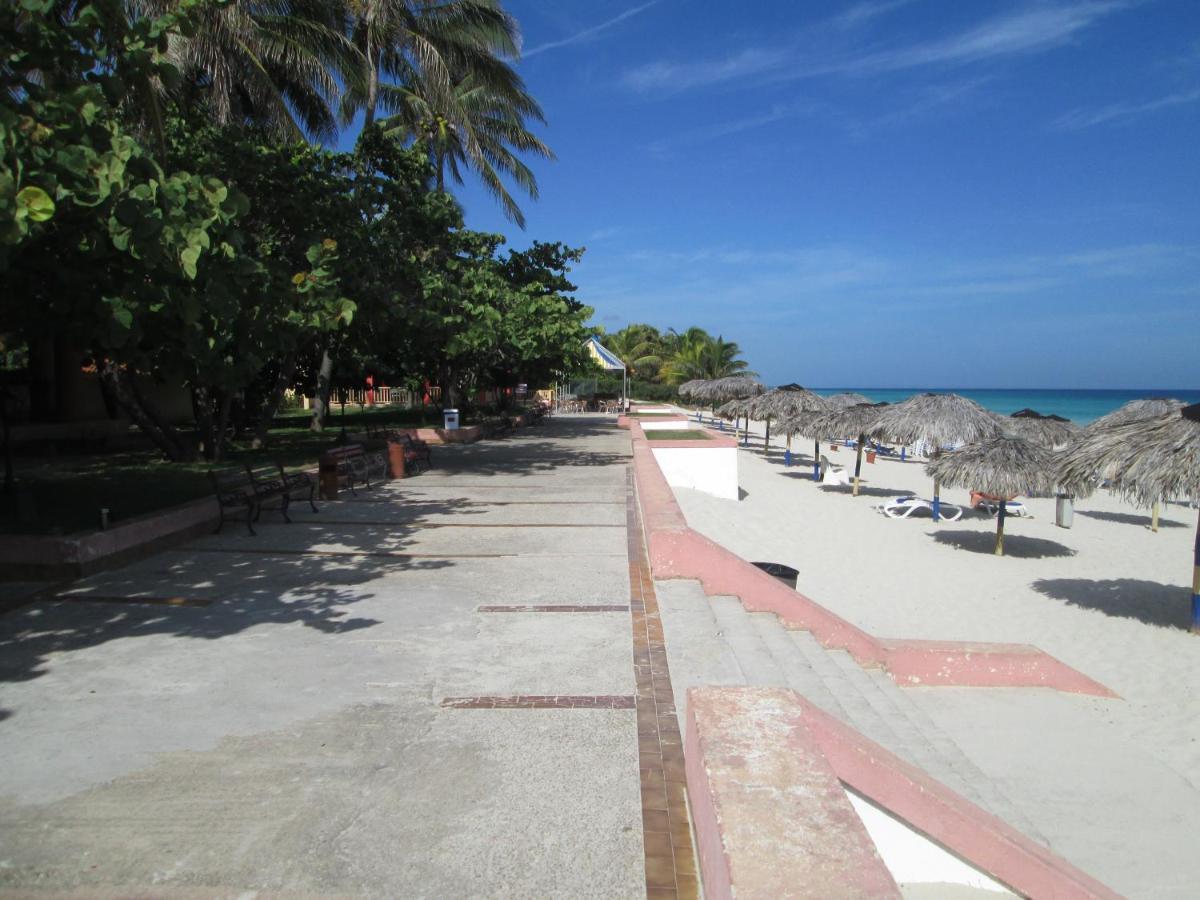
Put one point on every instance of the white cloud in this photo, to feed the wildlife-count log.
(587, 33)
(1025, 31)
(1077, 119)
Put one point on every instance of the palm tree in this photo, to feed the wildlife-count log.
(438, 70)
(699, 355)
(640, 348)
(275, 63)
(494, 111)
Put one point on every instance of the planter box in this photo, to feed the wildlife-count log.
(39, 556)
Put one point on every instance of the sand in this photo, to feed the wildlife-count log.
(1107, 596)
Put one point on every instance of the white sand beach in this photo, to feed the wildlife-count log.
(1107, 596)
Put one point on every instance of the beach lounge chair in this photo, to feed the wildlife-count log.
(904, 507)
(831, 474)
(991, 505)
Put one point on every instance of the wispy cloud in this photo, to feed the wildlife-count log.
(777, 113)
(1077, 119)
(1025, 31)
(603, 234)
(587, 33)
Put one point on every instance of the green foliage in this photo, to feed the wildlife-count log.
(674, 357)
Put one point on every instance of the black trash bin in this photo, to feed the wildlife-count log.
(786, 574)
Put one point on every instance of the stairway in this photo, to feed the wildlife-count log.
(714, 641)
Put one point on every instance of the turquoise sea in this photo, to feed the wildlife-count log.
(1078, 406)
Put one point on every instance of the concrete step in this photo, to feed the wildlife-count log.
(758, 666)
(696, 640)
(858, 712)
(801, 676)
(991, 796)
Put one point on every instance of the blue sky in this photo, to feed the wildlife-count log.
(892, 193)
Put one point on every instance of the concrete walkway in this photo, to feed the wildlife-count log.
(425, 690)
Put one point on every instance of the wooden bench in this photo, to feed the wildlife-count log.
(353, 463)
(273, 477)
(237, 491)
(415, 451)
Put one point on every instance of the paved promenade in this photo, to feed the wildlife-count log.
(425, 690)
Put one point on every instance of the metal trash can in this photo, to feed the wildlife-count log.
(451, 419)
(786, 574)
(1064, 511)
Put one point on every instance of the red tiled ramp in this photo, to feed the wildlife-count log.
(765, 777)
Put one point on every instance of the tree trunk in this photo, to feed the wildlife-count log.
(321, 400)
(43, 399)
(202, 411)
(287, 370)
(372, 83)
(143, 414)
(224, 408)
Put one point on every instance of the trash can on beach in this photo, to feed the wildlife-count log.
(451, 419)
(1064, 510)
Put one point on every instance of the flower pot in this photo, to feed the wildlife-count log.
(870, 456)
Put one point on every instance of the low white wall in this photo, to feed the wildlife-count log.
(709, 469)
(913, 859)
(667, 425)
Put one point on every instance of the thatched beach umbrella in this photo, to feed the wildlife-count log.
(788, 400)
(848, 398)
(851, 423)
(686, 389)
(1000, 467)
(735, 409)
(1146, 460)
(732, 387)
(936, 421)
(1134, 411)
(1049, 431)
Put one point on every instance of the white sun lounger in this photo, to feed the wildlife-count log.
(904, 507)
(1011, 508)
(831, 474)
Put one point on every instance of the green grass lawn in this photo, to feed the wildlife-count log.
(63, 493)
(665, 434)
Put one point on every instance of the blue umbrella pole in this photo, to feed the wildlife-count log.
(816, 459)
(937, 501)
(858, 463)
(1196, 585)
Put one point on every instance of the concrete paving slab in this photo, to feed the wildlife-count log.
(312, 537)
(463, 511)
(378, 800)
(246, 576)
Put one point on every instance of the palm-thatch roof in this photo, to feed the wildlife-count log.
(935, 421)
(848, 422)
(739, 406)
(1048, 431)
(1136, 410)
(848, 398)
(1145, 460)
(719, 390)
(789, 400)
(686, 389)
(1003, 466)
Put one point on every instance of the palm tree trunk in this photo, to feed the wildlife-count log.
(372, 82)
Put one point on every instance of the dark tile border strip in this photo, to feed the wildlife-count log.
(380, 553)
(555, 608)
(109, 598)
(542, 701)
(417, 525)
(666, 827)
